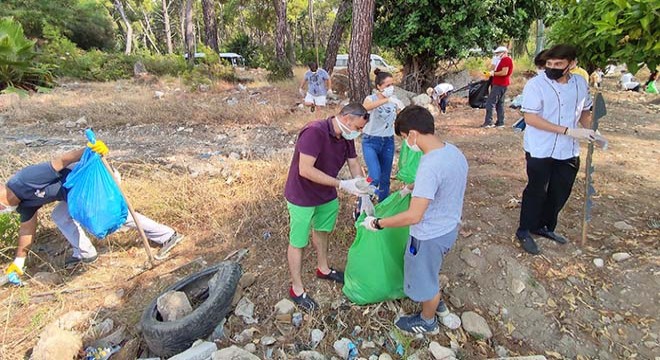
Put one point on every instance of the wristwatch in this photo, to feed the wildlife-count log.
(377, 224)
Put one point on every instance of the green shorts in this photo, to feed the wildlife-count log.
(303, 218)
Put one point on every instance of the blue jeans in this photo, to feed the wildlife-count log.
(378, 154)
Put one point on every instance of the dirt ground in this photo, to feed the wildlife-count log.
(213, 164)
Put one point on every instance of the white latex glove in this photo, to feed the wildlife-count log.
(366, 206)
(368, 223)
(581, 134)
(350, 186)
(301, 91)
(330, 92)
(405, 191)
(399, 104)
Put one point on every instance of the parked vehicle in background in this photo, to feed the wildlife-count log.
(376, 62)
(233, 59)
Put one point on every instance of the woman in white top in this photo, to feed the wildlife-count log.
(378, 134)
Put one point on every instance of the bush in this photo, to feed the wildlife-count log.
(309, 54)
(242, 45)
(205, 74)
(18, 69)
(279, 70)
(9, 224)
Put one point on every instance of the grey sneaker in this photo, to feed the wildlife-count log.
(414, 324)
(168, 245)
(73, 261)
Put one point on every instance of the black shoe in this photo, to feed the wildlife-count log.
(487, 126)
(499, 126)
(168, 245)
(550, 235)
(72, 261)
(304, 301)
(527, 242)
(333, 275)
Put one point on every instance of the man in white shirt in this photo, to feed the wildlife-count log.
(440, 95)
(554, 102)
(628, 81)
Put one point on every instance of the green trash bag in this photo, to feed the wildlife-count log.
(408, 164)
(374, 269)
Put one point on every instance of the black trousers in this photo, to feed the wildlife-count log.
(549, 186)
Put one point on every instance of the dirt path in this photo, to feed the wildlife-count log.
(218, 176)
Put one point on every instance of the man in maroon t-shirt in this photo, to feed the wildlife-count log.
(322, 149)
(501, 79)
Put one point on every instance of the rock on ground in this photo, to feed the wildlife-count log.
(245, 310)
(421, 100)
(233, 353)
(60, 340)
(476, 325)
(48, 278)
(620, 256)
(440, 352)
(622, 225)
(341, 347)
(200, 350)
(285, 306)
(173, 305)
(310, 355)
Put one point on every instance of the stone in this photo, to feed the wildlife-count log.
(297, 319)
(173, 305)
(384, 356)
(81, 121)
(471, 259)
(245, 310)
(501, 351)
(200, 350)
(455, 301)
(599, 262)
(621, 256)
(234, 156)
(139, 69)
(317, 335)
(69, 124)
(233, 353)
(533, 357)
(245, 335)
(650, 344)
(622, 225)
(440, 352)
(59, 340)
(310, 355)
(404, 95)
(421, 100)
(48, 278)
(251, 348)
(285, 306)
(368, 345)
(517, 286)
(103, 328)
(267, 340)
(476, 325)
(247, 280)
(203, 88)
(114, 298)
(373, 357)
(341, 347)
(158, 94)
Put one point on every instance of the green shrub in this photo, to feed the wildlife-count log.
(18, 69)
(9, 224)
(279, 70)
(205, 74)
(165, 64)
(309, 54)
(243, 45)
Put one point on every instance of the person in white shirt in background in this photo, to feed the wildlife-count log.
(553, 104)
(319, 86)
(440, 95)
(628, 81)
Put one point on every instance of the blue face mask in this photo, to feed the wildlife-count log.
(346, 132)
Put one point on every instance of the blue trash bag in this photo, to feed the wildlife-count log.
(94, 199)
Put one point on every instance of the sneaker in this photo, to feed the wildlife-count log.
(333, 275)
(450, 320)
(527, 242)
(414, 324)
(303, 300)
(499, 126)
(168, 245)
(487, 126)
(73, 261)
(550, 235)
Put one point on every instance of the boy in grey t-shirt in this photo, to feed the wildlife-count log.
(434, 216)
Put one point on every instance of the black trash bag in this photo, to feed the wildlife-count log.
(478, 93)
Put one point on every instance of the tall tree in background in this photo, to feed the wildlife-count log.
(342, 19)
(190, 32)
(359, 56)
(168, 30)
(129, 29)
(210, 25)
(282, 66)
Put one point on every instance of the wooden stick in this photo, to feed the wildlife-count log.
(145, 241)
(587, 196)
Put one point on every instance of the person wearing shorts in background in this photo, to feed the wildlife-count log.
(319, 86)
(434, 217)
(322, 149)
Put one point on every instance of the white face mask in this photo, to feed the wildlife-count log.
(346, 132)
(6, 209)
(414, 147)
(388, 91)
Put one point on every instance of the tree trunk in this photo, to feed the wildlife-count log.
(290, 48)
(210, 25)
(129, 29)
(190, 33)
(341, 20)
(280, 39)
(149, 33)
(418, 73)
(360, 49)
(168, 31)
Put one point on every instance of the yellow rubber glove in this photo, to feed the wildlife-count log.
(99, 147)
(13, 268)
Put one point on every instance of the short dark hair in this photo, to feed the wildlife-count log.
(414, 117)
(381, 76)
(539, 59)
(356, 109)
(312, 65)
(562, 52)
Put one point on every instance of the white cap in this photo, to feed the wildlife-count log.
(501, 49)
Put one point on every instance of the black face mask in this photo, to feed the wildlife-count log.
(554, 74)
